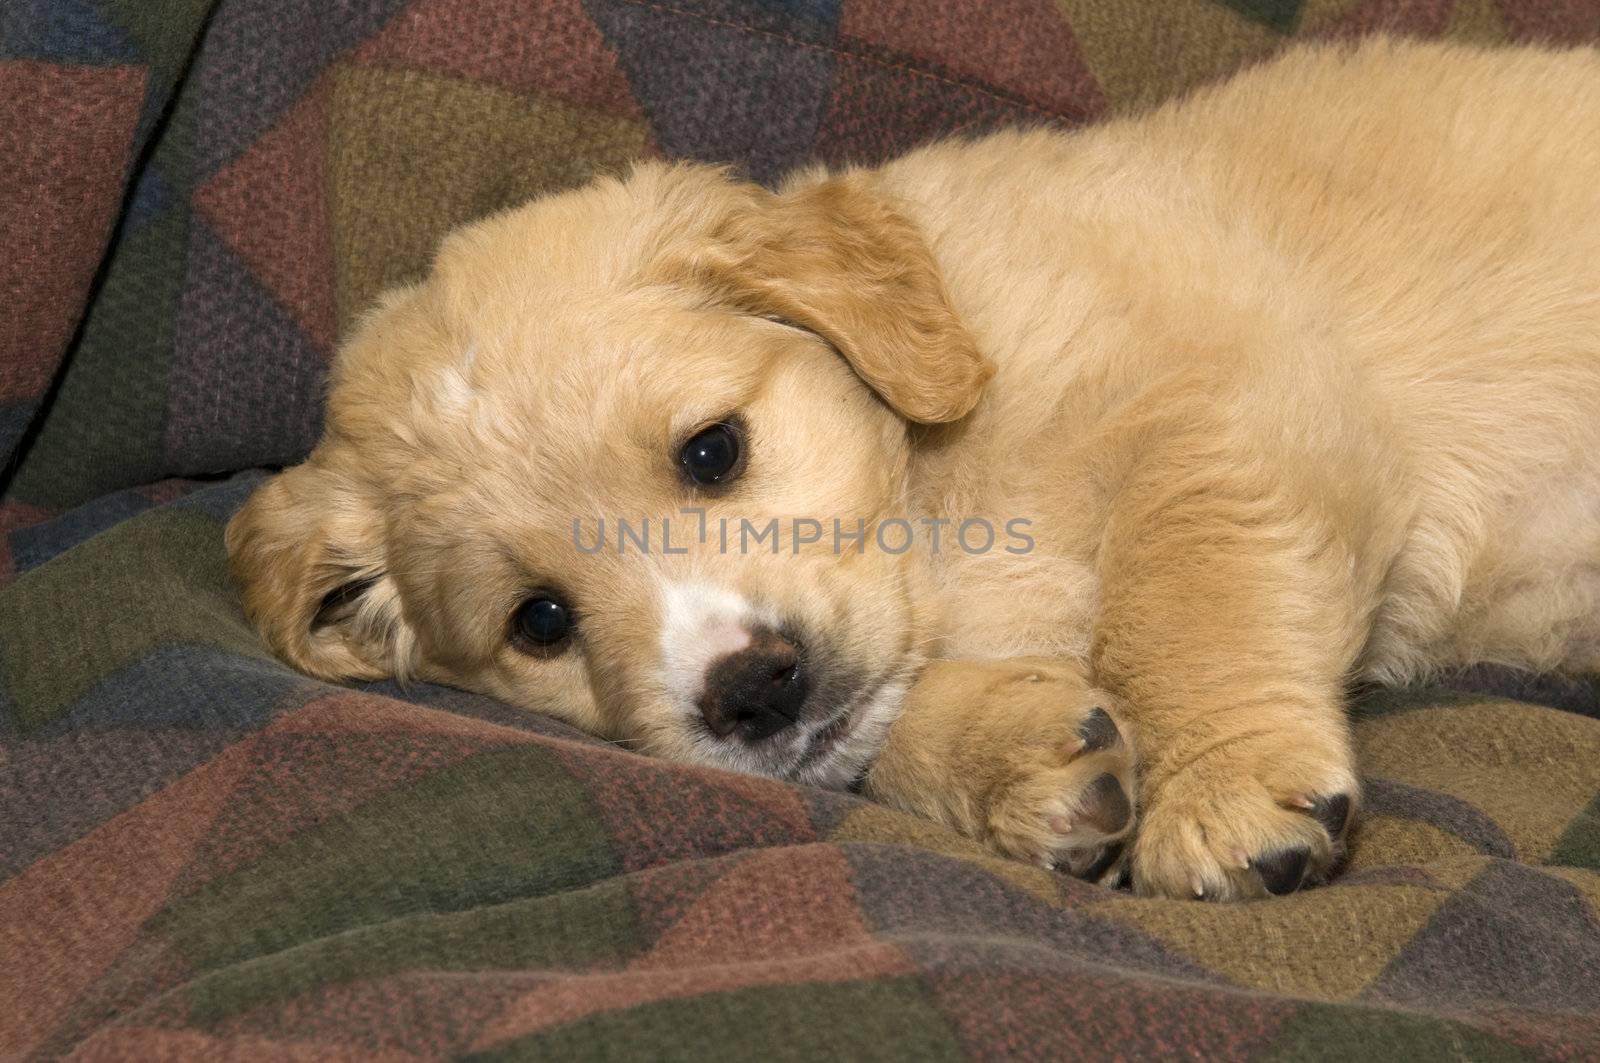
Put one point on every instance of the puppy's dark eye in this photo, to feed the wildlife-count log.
(542, 623)
(711, 456)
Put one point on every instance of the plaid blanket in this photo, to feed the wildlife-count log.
(203, 853)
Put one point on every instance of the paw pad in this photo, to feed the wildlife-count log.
(1105, 805)
(1097, 731)
(1282, 870)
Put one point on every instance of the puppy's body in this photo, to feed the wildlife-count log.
(1302, 378)
(1296, 381)
(1379, 272)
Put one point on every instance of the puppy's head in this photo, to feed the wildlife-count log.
(621, 458)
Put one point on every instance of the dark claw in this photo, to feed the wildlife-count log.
(1106, 805)
(1097, 731)
(1333, 813)
(1282, 870)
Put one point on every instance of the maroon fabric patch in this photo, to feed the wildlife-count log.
(1020, 46)
(1561, 21)
(657, 812)
(1092, 1014)
(1424, 18)
(65, 132)
(554, 47)
(271, 206)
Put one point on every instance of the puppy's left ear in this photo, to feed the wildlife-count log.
(836, 257)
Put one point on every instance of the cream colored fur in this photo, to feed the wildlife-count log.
(1298, 380)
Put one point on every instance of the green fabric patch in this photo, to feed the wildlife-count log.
(420, 153)
(166, 32)
(890, 1019)
(103, 431)
(174, 155)
(463, 838)
(155, 581)
(1339, 1033)
(1280, 15)
(572, 929)
(1579, 844)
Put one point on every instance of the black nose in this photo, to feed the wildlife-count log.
(756, 692)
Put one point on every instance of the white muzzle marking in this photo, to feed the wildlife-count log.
(701, 624)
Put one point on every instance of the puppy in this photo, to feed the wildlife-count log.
(1292, 382)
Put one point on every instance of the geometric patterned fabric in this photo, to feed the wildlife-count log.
(202, 852)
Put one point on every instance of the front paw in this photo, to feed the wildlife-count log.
(1264, 817)
(1062, 792)
(1021, 754)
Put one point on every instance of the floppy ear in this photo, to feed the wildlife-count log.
(307, 554)
(836, 258)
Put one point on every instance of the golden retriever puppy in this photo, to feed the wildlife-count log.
(1291, 382)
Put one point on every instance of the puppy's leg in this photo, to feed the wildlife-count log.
(1021, 754)
(1229, 616)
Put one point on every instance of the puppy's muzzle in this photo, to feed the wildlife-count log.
(755, 692)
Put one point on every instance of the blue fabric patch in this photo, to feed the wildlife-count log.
(70, 31)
